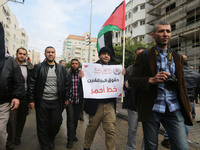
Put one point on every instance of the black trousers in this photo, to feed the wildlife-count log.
(73, 112)
(11, 128)
(21, 118)
(49, 120)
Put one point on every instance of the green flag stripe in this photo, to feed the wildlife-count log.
(104, 30)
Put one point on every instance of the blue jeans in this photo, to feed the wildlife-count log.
(173, 122)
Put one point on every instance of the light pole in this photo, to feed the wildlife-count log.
(90, 32)
(13, 1)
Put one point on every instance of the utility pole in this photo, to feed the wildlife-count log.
(21, 2)
(90, 32)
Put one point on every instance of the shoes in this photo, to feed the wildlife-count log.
(81, 118)
(75, 139)
(69, 144)
(166, 143)
(86, 148)
(17, 141)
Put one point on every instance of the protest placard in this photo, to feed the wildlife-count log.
(102, 81)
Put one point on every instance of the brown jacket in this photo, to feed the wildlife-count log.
(147, 93)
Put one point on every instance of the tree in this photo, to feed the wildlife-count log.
(130, 52)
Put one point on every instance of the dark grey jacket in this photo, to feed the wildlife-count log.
(192, 82)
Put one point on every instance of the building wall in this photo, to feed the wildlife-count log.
(13, 34)
(77, 47)
(184, 17)
(34, 56)
(135, 22)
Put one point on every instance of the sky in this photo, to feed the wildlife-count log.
(49, 22)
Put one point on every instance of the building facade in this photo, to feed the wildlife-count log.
(34, 56)
(134, 23)
(184, 17)
(78, 47)
(15, 37)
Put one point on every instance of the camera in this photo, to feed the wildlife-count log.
(171, 82)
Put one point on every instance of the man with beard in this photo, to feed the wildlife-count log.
(101, 111)
(161, 92)
(18, 117)
(48, 90)
(76, 101)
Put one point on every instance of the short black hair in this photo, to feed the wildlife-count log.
(49, 47)
(139, 48)
(75, 59)
(22, 49)
(159, 23)
(61, 61)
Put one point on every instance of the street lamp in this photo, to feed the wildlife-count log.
(21, 2)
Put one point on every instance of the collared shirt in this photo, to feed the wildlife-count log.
(165, 98)
(74, 94)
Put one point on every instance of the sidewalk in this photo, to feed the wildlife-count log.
(194, 133)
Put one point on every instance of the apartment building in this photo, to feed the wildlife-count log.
(184, 17)
(34, 56)
(135, 21)
(15, 37)
(78, 47)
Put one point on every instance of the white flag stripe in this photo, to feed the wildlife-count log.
(101, 41)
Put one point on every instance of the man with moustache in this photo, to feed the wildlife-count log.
(48, 90)
(76, 101)
(162, 94)
(101, 111)
(18, 117)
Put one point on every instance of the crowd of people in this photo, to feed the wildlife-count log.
(160, 88)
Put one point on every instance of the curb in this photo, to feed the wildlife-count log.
(122, 113)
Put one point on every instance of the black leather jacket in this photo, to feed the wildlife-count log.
(11, 81)
(37, 83)
(192, 82)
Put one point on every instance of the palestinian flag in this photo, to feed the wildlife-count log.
(115, 22)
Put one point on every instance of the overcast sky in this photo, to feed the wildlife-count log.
(49, 22)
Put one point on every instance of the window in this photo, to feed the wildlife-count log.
(142, 22)
(126, 17)
(135, 25)
(116, 35)
(192, 17)
(173, 26)
(142, 6)
(197, 43)
(129, 14)
(135, 9)
(170, 7)
(22, 42)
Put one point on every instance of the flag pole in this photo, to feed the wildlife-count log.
(123, 64)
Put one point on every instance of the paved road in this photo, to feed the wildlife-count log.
(30, 141)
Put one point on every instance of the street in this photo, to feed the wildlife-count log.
(30, 141)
